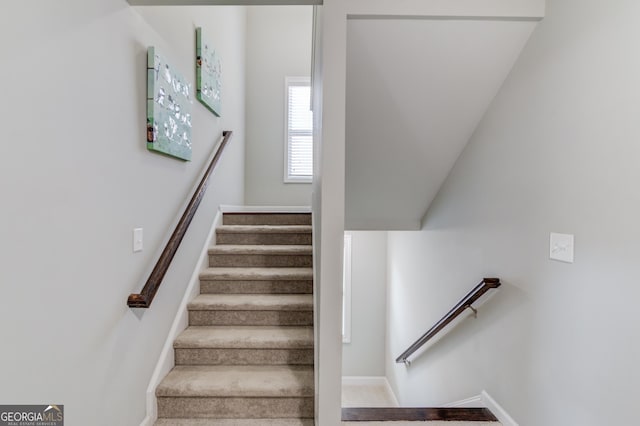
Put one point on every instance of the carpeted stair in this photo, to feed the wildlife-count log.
(246, 358)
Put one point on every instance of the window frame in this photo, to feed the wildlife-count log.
(293, 81)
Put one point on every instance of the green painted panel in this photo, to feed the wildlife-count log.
(169, 102)
(208, 74)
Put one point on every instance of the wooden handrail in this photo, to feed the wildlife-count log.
(145, 297)
(464, 304)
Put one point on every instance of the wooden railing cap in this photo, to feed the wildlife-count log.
(492, 282)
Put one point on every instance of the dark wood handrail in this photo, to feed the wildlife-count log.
(145, 297)
(464, 304)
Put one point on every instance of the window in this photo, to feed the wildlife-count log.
(346, 291)
(298, 150)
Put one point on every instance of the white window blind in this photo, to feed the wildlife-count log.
(299, 131)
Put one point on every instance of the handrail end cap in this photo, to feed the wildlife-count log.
(493, 282)
(137, 301)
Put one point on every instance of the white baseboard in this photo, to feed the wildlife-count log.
(371, 381)
(471, 402)
(364, 380)
(265, 209)
(497, 410)
(181, 321)
(391, 392)
(485, 400)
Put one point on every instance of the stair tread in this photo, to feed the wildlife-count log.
(234, 422)
(237, 381)
(265, 273)
(239, 337)
(263, 229)
(267, 218)
(267, 210)
(262, 249)
(422, 422)
(413, 414)
(252, 302)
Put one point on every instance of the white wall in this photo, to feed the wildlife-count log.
(409, 115)
(76, 178)
(278, 45)
(365, 354)
(557, 151)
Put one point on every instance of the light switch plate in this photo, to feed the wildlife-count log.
(561, 247)
(137, 240)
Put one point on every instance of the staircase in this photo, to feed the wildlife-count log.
(246, 358)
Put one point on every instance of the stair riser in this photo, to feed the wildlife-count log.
(266, 219)
(250, 317)
(302, 238)
(244, 356)
(233, 408)
(255, 287)
(260, 260)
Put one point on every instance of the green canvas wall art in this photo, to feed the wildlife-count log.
(208, 74)
(168, 108)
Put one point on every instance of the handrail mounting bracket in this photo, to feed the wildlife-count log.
(475, 311)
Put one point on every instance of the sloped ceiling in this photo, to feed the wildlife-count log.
(416, 90)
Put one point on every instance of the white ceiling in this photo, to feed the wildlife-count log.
(416, 90)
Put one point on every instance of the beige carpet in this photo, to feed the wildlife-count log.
(367, 395)
(246, 358)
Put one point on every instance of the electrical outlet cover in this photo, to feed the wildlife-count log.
(137, 240)
(561, 247)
